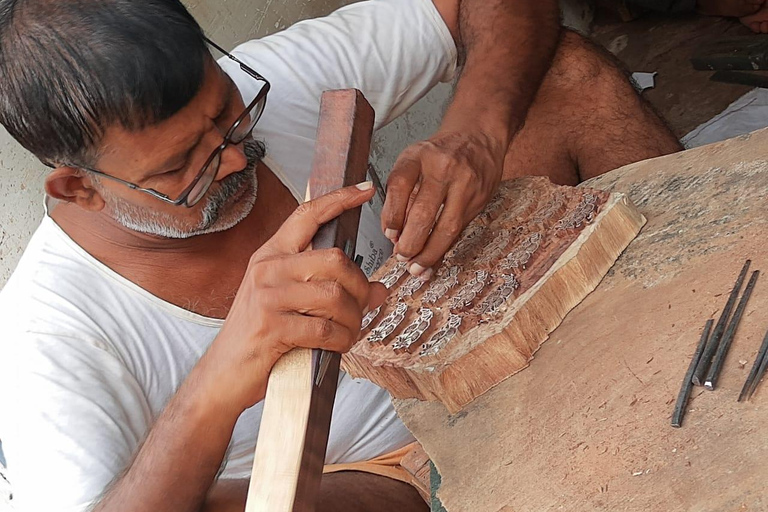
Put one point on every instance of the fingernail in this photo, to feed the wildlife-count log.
(366, 185)
(401, 258)
(416, 270)
(391, 234)
(427, 275)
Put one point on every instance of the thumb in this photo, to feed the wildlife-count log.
(377, 294)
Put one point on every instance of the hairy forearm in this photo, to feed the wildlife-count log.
(179, 460)
(507, 47)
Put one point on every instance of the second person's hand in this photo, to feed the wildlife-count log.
(435, 188)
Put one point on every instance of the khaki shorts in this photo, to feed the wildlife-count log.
(409, 464)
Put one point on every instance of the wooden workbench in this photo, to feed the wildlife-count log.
(587, 426)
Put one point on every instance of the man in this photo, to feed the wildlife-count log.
(170, 271)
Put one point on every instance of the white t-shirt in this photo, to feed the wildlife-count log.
(89, 360)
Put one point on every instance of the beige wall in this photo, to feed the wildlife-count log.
(228, 22)
(20, 200)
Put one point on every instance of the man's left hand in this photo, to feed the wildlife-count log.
(435, 188)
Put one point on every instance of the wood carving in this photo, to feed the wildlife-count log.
(293, 435)
(532, 255)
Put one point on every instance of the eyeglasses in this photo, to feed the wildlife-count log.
(237, 133)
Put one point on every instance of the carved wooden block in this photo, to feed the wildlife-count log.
(531, 256)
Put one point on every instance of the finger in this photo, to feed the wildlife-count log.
(421, 219)
(447, 230)
(326, 299)
(377, 294)
(298, 230)
(400, 185)
(315, 266)
(297, 330)
(412, 198)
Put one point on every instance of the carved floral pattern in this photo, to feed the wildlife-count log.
(441, 338)
(413, 332)
(389, 323)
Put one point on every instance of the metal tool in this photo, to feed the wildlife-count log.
(323, 357)
(748, 53)
(685, 389)
(759, 376)
(722, 350)
(757, 371)
(321, 365)
(741, 78)
(714, 340)
(381, 191)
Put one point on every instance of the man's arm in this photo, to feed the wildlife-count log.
(179, 459)
(289, 298)
(506, 47)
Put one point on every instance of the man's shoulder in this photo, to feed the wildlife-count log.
(50, 286)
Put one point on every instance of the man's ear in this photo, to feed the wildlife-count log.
(71, 185)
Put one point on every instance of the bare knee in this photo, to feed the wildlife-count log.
(590, 112)
(603, 122)
(580, 63)
(352, 490)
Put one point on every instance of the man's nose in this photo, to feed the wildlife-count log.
(233, 160)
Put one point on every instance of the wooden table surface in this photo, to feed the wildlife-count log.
(587, 426)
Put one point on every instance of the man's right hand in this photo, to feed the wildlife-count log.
(291, 297)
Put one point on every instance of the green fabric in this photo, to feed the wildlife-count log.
(434, 484)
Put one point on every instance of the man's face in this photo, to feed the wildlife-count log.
(168, 156)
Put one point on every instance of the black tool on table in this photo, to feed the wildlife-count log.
(743, 53)
(756, 79)
(757, 372)
(722, 350)
(736, 60)
(714, 339)
(712, 349)
(685, 389)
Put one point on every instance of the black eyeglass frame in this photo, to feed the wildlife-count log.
(182, 199)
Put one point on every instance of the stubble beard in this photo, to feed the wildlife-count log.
(226, 203)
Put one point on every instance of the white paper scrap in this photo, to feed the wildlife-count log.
(644, 81)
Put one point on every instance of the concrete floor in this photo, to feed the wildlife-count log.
(683, 96)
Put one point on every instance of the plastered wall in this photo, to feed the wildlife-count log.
(228, 22)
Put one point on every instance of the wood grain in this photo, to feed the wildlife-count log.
(293, 436)
(587, 426)
(498, 334)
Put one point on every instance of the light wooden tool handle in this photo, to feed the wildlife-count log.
(293, 436)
